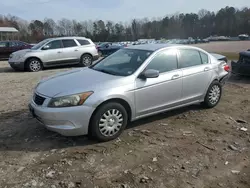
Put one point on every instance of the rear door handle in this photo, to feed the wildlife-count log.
(176, 76)
(76, 50)
(206, 69)
(59, 52)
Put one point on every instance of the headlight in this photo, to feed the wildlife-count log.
(11, 55)
(68, 101)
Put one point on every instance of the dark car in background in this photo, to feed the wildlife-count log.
(108, 48)
(242, 66)
(8, 47)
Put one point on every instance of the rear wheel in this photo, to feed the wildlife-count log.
(86, 60)
(109, 121)
(34, 65)
(213, 95)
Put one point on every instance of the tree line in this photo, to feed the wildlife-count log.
(228, 21)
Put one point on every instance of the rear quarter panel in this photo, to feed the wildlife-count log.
(218, 67)
(89, 49)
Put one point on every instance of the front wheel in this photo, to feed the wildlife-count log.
(34, 65)
(213, 95)
(108, 122)
(86, 60)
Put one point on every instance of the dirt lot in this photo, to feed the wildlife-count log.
(226, 47)
(185, 148)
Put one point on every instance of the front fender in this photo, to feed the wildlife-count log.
(126, 99)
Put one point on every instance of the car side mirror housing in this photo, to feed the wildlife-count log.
(150, 73)
(46, 47)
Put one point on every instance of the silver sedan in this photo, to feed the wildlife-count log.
(132, 83)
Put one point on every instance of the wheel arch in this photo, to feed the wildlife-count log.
(29, 58)
(86, 53)
(121, 101)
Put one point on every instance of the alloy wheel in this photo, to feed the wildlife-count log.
(35, 65)
(110, 122)
(86, 60)
(214, 94)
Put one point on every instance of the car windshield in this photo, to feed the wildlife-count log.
(40, 44)
(124, 62)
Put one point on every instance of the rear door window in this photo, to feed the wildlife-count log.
(83, 42)
(67, 43)
(204, 58)
(189, 58)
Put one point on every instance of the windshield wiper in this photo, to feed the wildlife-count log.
(107, 72)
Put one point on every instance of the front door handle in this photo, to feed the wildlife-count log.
(76, 50)
(206, 69)
(176, 76)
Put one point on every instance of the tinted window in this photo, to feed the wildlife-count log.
(189, 58)
(83, 42)
(204, 58)
(69, 43)
(164, 61)
(16, 43)
(55, 44)
(3, 44)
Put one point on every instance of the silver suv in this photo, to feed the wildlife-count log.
(55, 52)
(130, 84)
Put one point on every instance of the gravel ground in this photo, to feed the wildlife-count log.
(187, 148)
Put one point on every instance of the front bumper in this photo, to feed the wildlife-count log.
(70, 121)
(16, 64)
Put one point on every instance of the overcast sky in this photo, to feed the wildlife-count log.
(115, 10)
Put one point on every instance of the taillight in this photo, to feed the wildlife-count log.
(227, 68)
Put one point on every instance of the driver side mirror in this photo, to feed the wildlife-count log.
(150, 73)
(46, 47)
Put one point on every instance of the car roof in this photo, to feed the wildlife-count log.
(152, 47)
(11, 41)
(69, 38)
(245, 53)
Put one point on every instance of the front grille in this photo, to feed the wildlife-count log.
(38, 99)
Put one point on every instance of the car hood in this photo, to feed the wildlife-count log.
(22, 52)
(77, 81)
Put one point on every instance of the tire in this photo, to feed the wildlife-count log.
(108, 122)
(213, 95)
(34, 65)
(86, 60)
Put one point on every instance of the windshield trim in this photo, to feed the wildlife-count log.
(99, 60)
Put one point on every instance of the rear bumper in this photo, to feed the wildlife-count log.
(96, 57)
(237, 69)
(17, 65)
(224, 79)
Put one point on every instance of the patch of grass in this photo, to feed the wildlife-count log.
(230, 55)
